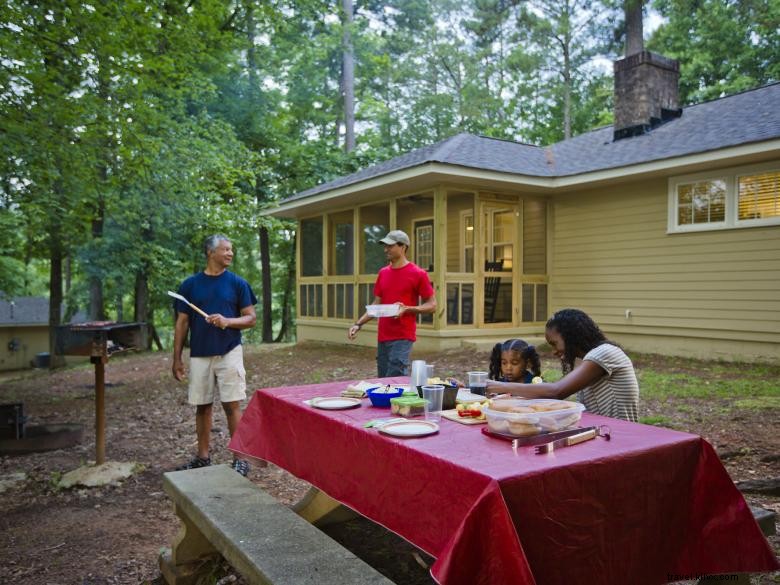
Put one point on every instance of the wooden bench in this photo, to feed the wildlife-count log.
(223, 513)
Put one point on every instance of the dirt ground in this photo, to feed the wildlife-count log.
(113, 534)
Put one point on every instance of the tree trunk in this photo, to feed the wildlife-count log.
(348, 76)
(634, 41)
(284, 332)
(97, 311)
(567, 83)
(265, 275)
(55, 292)
(141, 303)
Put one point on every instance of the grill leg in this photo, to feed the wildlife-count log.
(100, 412)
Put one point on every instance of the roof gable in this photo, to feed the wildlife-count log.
(24, 311)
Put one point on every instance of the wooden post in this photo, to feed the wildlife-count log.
(100, 410)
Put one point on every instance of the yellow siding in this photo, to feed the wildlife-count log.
(718, 289)
(32, 340)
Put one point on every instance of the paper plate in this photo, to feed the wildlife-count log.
(410, 428)
(335, 402)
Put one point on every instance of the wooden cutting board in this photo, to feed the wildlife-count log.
(464, 420)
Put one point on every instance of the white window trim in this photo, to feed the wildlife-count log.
(730, 176)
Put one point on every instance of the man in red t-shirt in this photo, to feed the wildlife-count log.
(402, 283)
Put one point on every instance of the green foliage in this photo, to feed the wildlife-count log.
(130, 130)
(723, 46)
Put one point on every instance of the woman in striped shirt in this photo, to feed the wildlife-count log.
(605, 380)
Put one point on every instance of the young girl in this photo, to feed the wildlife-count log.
(605, 379)
(514, 361)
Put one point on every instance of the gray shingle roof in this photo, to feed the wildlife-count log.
(744, 118)
(24, 311)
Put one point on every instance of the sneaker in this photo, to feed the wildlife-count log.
(241, 466)
(195, 463)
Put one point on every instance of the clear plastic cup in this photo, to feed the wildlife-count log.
(419, 371)
(478, 382)
(429, 370)
(433, 396)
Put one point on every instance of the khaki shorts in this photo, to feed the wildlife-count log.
(225, 372)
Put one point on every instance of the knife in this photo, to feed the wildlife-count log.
(565, 442)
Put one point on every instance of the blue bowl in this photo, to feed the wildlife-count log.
(382, 399)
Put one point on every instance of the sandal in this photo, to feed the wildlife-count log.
(195, 463)
(241, 466)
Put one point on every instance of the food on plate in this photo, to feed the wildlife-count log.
(473, 410)
(441, 381)
(407, 406)
(357, 389)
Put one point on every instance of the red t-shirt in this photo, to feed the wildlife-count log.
(408, 285)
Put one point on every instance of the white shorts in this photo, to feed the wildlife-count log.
(225, 372)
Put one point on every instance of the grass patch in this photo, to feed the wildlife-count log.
(658, 421)
(759, 402)
(656, 384)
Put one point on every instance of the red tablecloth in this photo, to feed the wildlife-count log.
(649, 506)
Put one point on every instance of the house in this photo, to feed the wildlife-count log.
(24, 331)
(664, 227)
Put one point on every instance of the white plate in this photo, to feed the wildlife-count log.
(410, 428)
(335, 402)
(382, 310)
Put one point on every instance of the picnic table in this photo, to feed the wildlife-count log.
(650, 506)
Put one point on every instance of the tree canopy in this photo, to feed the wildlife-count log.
(131, 129)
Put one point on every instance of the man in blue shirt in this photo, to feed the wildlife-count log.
(216, 355)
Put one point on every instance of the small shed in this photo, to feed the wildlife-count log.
(24, 331)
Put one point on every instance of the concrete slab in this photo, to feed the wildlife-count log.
(97, 475)
(10, 480)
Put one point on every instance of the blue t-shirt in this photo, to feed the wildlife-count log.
(225, 294)
(527, 379)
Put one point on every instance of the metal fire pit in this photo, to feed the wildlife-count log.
(99, 340)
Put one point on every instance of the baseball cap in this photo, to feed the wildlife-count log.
(395, 237)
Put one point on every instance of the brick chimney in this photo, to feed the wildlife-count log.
(646, 93)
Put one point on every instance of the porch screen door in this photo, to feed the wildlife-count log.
(499, 237)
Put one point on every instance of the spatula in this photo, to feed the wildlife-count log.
(182, 299)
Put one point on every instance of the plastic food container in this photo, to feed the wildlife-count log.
(524, 418)
(381, 395)
(382, 310)
(407, 406)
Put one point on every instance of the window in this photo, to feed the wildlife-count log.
(341, 243)
(701, 202)
(423, 244)
(758, 196)
(311, 247)
(374, 225)
(735, 198)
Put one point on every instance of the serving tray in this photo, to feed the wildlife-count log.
(543, 437)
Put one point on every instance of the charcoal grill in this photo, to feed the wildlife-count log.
(100, 340)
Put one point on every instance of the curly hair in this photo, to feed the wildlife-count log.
(526, 351)
(579, 332)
